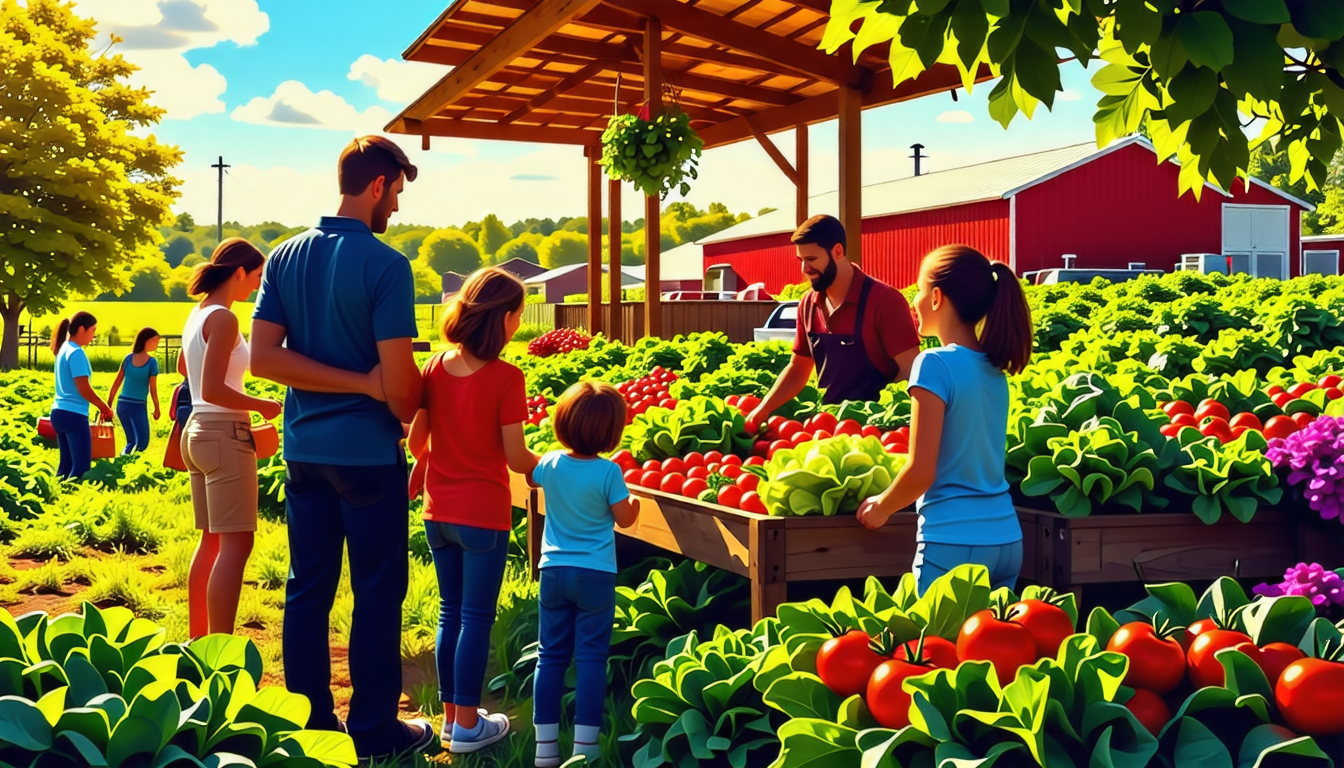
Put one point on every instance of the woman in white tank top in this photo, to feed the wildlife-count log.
(217, 444)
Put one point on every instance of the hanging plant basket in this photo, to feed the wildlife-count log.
(657, 155)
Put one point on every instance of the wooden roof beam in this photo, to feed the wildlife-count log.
(711, 27)
(468, 129)
(533, 26)
(773, 151)
(545, 97)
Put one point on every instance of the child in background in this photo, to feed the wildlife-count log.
(466, 437)
(139, 372)
(584, 496)
(959, 416)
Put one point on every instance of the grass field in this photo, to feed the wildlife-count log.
(168, 317)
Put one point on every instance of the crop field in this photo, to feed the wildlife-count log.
(1217, 398)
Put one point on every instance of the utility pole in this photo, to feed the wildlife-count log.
(219, 231)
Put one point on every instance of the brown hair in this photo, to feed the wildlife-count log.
(823, 230)
(980, 289)
(228, 257)
(589, 418)
(76, 322)
(142, 338)
(368, 157)
(474, 318)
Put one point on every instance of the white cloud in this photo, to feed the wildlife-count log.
(1068, 95)
(293, 105)
(956, 116)
(396, 81)
(156, 34)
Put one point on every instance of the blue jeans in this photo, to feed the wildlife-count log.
(74, 441)
(365, 509)
(134, 418)
(1003, 561)
(469, 562)
(576, 609)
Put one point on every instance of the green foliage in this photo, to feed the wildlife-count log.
(828, 477)
(794, 291)
(1190, 75)
(561, 249)
(492, 236)
(524, 248)
(1100, 465)
(88, 183)
(699, 424)
(1234, 477)
(449, 250)
(657, 155)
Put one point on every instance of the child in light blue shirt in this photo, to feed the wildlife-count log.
(959, 419)
(585, 495)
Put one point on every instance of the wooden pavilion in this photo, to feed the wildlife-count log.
(552, 71)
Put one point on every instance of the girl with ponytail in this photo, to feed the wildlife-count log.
(959, 415)
(466, 437)
(74, 394)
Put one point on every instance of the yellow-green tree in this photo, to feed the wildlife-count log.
(492, 236)
(449, 250)
(561, 248)
(81, 197)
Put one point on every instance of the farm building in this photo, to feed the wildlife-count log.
(1109, 207)
(523, 269)
(1320, 254)
(555, 285)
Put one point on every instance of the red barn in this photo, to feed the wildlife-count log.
(1320, 254)
(1109, 207)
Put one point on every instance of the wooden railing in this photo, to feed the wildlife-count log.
(736, 319)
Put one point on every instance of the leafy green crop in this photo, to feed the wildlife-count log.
(828, 476)
(698, 424)
(1101, 465)
(1234, 477)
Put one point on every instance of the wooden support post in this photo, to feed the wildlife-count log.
(851, 171)
(768, 586)
(800, 167)
(614, 323)
(535, 526)
(594, 152)
(653, 93)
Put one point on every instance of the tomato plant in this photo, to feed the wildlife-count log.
(1275, 658)
(1156, 661)
(1149, 709)
(988, 636)
(1048, 624)
(1178, 406)
(730, 496)
(1310, 695)
(845, 663)
(1205, 669)
(938, 651)
(886, 699)
(1211, 407)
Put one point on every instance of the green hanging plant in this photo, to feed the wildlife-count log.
(657, 155)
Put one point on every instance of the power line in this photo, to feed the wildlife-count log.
(219, 231)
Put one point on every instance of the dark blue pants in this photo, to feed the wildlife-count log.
(576, 610)
(74, 441)
(469, 562)
(365, 508)
(134, 418)
(933, 560)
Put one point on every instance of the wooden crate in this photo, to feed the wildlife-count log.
(1066, 553)
(770, 551)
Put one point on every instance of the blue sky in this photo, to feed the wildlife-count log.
(279, 86)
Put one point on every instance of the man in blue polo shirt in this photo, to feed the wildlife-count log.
(334, 321)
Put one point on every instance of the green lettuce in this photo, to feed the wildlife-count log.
(827, 476)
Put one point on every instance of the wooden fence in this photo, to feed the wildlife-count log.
(736, 319)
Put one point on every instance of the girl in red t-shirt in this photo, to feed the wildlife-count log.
(466, 437)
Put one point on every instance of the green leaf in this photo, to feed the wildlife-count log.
(1101, 625)
(224, 653)
(803, 695)
(1318, 634)
(1198, 747)
(1278, 619)
(1137, 23)
(1192, 92)
(808, 743)
(1206, 38)
(1243, 676)
(1270, 745)
(1037, 70)
(23, 725)
(1258, 11)
(1257, 68)
(1318, 21)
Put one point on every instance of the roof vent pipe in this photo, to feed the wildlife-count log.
(917, 157)
(1069, 259)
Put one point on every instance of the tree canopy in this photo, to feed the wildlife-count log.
(449, 250)
(562, 248)
(493, 234)
(1201, 71)
(82, 192)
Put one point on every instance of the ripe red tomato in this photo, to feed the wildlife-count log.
(1155, 663)
(1334, 393)
(632, 476)
(761, 448)
(845, 663)
(672, 482)
(1280, 426)
(1275, 658)
(750, 502)
(748, 481)
(694, 459)
(800, 437)
(1303, 419)
(1310, 694)
(1184, 420)
(653, 465)
(713, 457)
(824, 421)
(1248, 420)
(700, 473)
(1197, 628)
(778, 445)
(1149, 709)
(730, 471)
(985, 637)
(624, 459)
(730, 496)
(1178, 406)
(755, 461)
(1274, 390)
(1205, 670)
(821, 434)
(732, 400)
(693, 487)
(886, 699)
(938, 651)
(1282, 399)
(1211, 407)
(1330, 380)
(1170, 430)
(1216, 427)
(651, 479)
(1048, 624)
(1300, 389)
(849, 427)
(674, 464)
(732, 459)
(871, 431)
(789, 428)
(774, 423)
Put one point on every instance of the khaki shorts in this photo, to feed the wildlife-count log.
(222, 460)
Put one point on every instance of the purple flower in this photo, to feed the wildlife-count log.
(1323, 587)
(1314, 458)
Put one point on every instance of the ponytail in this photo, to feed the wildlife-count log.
(984, 290)
(228, 257)
(76, 322)
(474, 319)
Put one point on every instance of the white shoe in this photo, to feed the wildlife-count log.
(493, 728)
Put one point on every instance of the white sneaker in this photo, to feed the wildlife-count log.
(492, 728)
